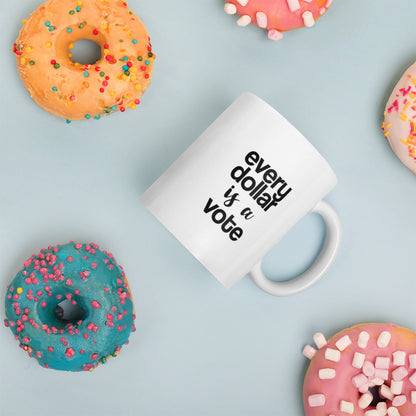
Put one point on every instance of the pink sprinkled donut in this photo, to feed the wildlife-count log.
(366, 370)
(277, 16)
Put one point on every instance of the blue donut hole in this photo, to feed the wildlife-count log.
(60, 313)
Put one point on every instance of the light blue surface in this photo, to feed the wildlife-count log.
(200, 350)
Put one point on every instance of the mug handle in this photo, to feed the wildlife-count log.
(319, 267)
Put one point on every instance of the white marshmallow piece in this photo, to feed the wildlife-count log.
(275, 35)
(384, 339)
(382, 362)
(413, 397)
(392, 411)
(230, 8)
(368, 368)
(343, 342)
(364, 388)
(358, 360)
(332, 355)
(399, 373)
(309, 352)
(319, 340)
(326, 373)
(316, 400)
(377, 381)
(244, 20)
(381, 408)
(359, 380)
(373, 412)
(412, 379)
(381, 373)
(412, 360)
(365, 400)
(243, 2)
(346, 407)
(308, 19)
(385, 392)
(396, 387)
(261, 19)
(293, 5)
(399, 358)
(399, 400)
(363, 339)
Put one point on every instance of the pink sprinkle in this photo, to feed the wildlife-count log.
(68, 296)
(119, 316)
(113, 309)
(69, 352)
(38, 354)
(109, 316)
(95, 304)
(69, 258)
(24, 318)
(106, 289)
(94, 265)
(26, 340)
(86, 336)
(78, 246)
(43, 304)
(109, 323)
(69, 282)
(90, 326)
(50, 349)
(119, 327)
(76, 292)
(94, 356)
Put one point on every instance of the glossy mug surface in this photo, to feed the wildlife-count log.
(240, 188)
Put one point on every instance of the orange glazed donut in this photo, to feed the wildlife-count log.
(277, 16)
(366, 370)
(73, 91)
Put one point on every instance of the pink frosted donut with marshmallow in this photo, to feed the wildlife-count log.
(278, 16)
(366, 370)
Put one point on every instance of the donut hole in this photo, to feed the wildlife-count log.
(376, 396)
(86, 52)
(69, 311)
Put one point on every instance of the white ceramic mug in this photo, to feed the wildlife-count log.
(239, 188)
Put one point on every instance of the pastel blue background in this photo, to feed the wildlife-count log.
(200, 350)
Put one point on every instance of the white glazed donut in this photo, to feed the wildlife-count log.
(399, 125)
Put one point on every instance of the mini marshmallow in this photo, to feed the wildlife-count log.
(382, 362)
(384, 339)
(309, 351)
(319, 340)
(399, 400)
(261, 19)
(316, 400)
(326, 373)
(365, 400)
(385, 392)
(381, 373)
(308, 19)
(332, 355)
(359, 380)
(346, 407)
(275, 35)
(364, 388)
(230, 8)
(244, 20)
(412, 379)
(399, 373)
(243, 2)
(371, 413)
(377, 381)
(399, 358)
(363, 339)
(396, 387)
(412, 360)
(343, 342)
(381, 408)
(392, 411)
(413, 397)
(368, 368)
(358, 360)
(293, 5)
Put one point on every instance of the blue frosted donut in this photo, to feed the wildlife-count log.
(99, 295)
